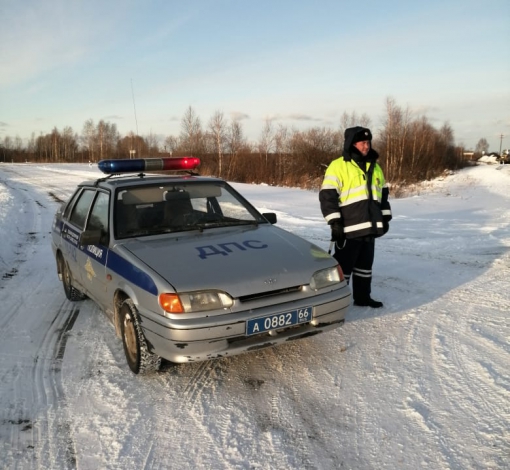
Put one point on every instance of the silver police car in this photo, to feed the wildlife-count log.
(187, 269)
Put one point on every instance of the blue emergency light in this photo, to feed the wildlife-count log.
(148, 164)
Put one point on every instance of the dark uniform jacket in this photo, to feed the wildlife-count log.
(355, 192)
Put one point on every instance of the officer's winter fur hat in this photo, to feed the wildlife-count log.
(353, 135)
(361, 134)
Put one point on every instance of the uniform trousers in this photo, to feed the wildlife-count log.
(356, 258)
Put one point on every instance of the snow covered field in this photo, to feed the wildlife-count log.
(422, 383)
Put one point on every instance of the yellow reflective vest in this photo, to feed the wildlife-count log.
(356, 193)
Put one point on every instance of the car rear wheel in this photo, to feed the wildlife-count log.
(71, 292)
(138, 356)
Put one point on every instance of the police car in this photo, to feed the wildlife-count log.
(188, 270)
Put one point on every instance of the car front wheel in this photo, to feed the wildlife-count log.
(138, 356)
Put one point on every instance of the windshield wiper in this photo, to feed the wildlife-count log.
(226, 223)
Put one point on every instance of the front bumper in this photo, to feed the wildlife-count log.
(227, 336)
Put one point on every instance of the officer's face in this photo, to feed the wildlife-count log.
(363, 147)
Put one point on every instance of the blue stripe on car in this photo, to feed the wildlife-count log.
(112, 261)
(130, 272)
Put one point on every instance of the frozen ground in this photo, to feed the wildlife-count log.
(422, 383)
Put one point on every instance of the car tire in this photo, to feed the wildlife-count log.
(71, 292)
(140, 360)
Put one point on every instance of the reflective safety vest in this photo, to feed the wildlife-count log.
(357, 196)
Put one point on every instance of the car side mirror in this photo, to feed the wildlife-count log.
(270, 217)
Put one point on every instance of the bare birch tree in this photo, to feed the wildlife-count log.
(266, 141)
(69, 144)
(218, 129)
(235, 141)
(191, 131)
(171, 144)
(89, 137)
(152, 143)
(482, 147)
(282, 149)
(7, 144)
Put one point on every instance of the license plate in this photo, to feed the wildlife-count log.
(278, 321)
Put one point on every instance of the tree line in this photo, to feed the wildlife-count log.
(411, 149)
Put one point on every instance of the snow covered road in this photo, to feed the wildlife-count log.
(422, 383)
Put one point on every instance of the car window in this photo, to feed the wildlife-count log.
(229, 207)
(173, 207)
(70, 203)
(81, 208)
(98, 219)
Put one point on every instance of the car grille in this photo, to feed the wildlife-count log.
(272, 293)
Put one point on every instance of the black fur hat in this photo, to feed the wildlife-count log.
(361, 135)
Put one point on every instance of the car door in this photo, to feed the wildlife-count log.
(94, 272)
(73, 225)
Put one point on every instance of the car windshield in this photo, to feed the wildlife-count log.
(177, 207)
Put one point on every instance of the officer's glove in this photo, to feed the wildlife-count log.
(386, 227)
(337, 232)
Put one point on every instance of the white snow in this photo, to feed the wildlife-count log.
(488, 159)
(422, 383)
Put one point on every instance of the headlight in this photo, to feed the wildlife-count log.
(195, 301)
(326, 277)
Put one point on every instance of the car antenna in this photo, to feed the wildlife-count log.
(134, 106)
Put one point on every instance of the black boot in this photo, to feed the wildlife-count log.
(368, 303)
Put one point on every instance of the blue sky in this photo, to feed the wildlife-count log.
(302, 63)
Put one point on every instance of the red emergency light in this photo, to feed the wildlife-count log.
(148, 164)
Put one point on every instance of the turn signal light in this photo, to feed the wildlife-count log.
(171, 303)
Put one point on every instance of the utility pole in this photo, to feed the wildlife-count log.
(500, 143)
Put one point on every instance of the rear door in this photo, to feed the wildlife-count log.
(73, 224)
(94, 273)
(87, 263)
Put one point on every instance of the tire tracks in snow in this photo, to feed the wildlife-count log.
(470, 385)
(36, 424)
(478, 368)
(49, 391)
(34, 327)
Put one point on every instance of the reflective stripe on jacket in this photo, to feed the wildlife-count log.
(356, 196)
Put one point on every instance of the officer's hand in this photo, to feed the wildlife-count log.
(337, 231)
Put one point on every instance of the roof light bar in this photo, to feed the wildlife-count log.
(148, 164)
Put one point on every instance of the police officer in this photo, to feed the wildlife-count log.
(354, 202)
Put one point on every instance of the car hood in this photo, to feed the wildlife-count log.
(239, 261)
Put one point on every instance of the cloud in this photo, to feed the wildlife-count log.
(114, 116)
(238, 116)
(425, 109)
(302, 117)
(3, 127)
(292, 117)
(502, 123)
